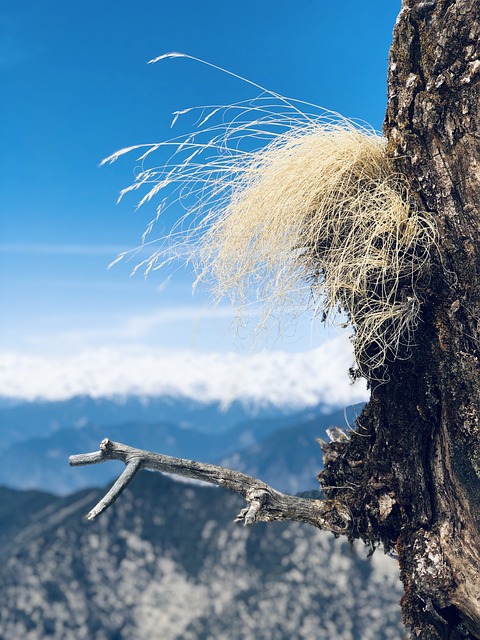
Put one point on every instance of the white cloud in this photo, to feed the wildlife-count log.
(276, 377)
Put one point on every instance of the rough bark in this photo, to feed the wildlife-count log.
(409, 476)
(415, 463)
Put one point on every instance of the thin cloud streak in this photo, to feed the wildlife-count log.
(58, 249)
(63, 334)
(139, 327)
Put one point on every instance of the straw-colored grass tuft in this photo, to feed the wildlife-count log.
(317, 216)
(323, 205)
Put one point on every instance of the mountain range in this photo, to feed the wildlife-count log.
(277, 446)
(166, 561)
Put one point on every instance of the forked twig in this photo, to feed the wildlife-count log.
(265, 504)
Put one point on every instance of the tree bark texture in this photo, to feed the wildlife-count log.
(414, 464)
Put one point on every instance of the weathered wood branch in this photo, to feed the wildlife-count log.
(265, 504)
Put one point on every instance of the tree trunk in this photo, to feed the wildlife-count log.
(414, 464)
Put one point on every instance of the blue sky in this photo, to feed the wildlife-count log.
(76, 87)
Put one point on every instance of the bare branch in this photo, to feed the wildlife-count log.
(122, 481)
(265, 504)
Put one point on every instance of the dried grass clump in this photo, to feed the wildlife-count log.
(317, 216)
(323, 205)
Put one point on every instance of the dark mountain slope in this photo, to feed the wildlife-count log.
(167, 562)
